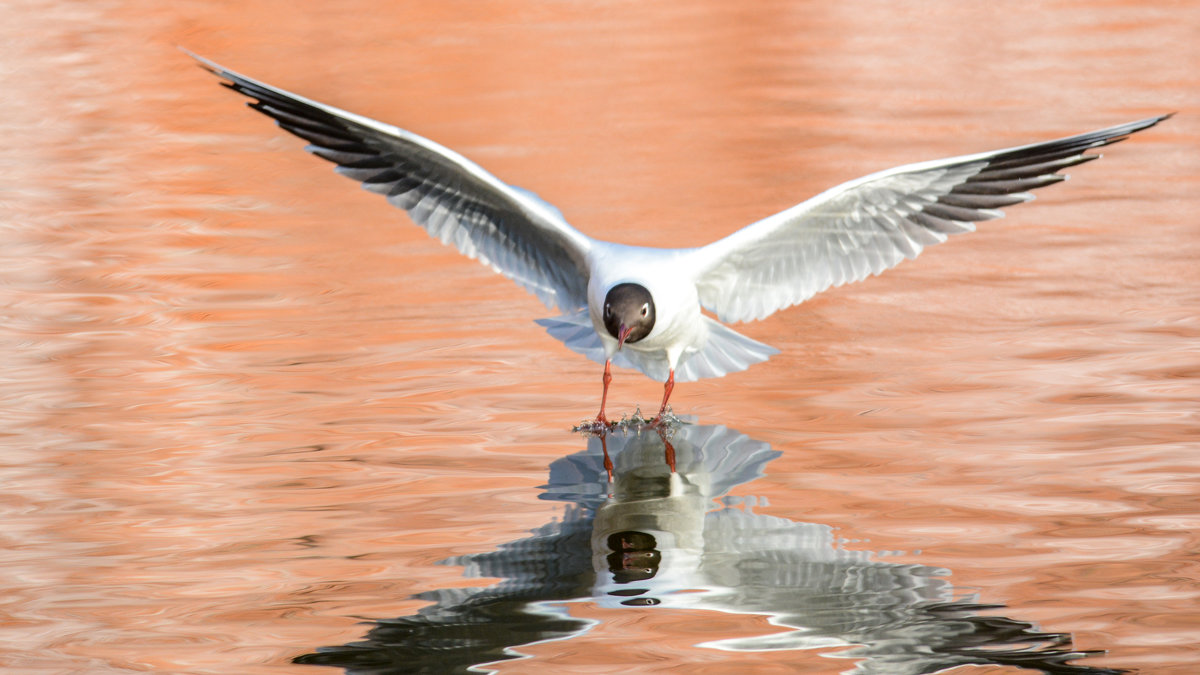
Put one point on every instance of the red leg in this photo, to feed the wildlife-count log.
(601, 418)
(667, 389)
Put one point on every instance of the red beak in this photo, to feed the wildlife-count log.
(621, 335)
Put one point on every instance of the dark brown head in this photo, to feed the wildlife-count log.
(628, 313)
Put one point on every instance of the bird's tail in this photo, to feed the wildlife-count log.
(724, 351)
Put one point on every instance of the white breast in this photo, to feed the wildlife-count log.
(677, 323)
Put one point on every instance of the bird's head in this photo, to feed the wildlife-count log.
(628, 313)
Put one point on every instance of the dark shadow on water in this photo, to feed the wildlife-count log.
(666, 540)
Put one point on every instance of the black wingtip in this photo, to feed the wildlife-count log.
(1139, 125)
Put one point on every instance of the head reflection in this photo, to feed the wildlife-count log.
(654, 539)
(634, 556)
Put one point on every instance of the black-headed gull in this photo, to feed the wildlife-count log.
(641, 307)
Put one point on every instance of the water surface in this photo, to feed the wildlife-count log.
(252, 416)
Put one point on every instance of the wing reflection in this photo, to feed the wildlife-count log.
(655, 539)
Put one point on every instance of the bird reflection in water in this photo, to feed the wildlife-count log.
(663, 425)
(656, 539)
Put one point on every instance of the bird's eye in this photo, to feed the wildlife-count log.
(607, 310)
(646, 310)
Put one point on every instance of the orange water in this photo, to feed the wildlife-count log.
(247, 406)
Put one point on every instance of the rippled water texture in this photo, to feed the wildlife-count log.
(254, 420)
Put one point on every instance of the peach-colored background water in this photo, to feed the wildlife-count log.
(247, 405)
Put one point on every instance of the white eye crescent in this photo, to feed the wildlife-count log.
(646, 309)
(607, 309)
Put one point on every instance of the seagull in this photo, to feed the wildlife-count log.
(642, 307)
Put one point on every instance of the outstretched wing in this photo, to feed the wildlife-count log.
(870, 224)
(454, 199)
